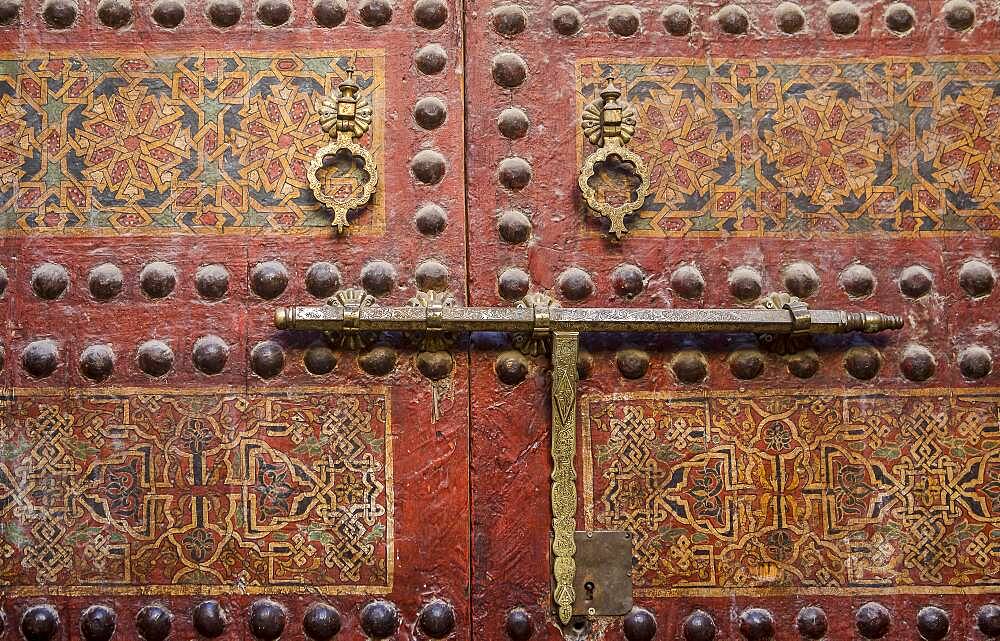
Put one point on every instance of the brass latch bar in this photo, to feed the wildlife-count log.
(539, 321)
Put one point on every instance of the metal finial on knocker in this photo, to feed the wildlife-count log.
(609, 123)
(345, 118)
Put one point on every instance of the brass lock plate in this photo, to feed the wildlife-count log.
(603, 582)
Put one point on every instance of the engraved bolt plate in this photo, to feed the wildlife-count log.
(603, 582)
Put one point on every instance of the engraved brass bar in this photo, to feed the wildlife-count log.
(538, 320)
(594, 319)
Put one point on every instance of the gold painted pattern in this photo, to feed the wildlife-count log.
(138, 491)
(905, 147)
(825, 492)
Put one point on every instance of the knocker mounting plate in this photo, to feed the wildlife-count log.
(345, 119)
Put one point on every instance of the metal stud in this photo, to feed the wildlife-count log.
(624, 20)
(976, 278)
(858, 281)
(518, 625)
(114, 14)
(267, 359)
(97, 623)
(49, 281)
(40, 358)
(509, 20)
(699, 626)
(975, 362)
(97, 362)
(687, 282)
(677, 20)
(431, 59)
(566, 20)
(319, 360)
(158, 279)
(844, 18)
(513, 284)
(988, 620)
(273, 13)
(430, 14)
(733, 20)
(575, 284)
(511, 367)
(153, 623)
(873, 620)
(105, 281)
(959, 15)
(639, 625)
(155, 358)
(862, 362)
(689, 366)
(428, 167)
(321, 622)
(322, 279)
(329, 13)
(746, 364)
(269, 279)
(745, 284)
(756, 624)
(380, 619)
(10, 11)
(210, 354)
(899, 18)
(39, 623)
(59, 14)
(266, 619)
(800, 279)
(436, 619)
(211, 281)
(378, 361)
(917, 363)
(430, 112)
(628, 281)
(915, 281)
(431, 220)
(224, 13)
(811, 622)
(168, 13)
(509, 70)
(932, 623)
(789, 18)
(209, 618)
(375, 13)
(514, 227)
(514, 173)
(632, 363)
(378, 278)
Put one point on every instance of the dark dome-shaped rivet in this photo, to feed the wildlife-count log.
(844, 17)
(431, 275)
(800, 279)
(209, 618)
(436, 619)
(155, 358)
(3, 281)
(514, 173)
(210, 354)
(267, 619)
(267, 359)
(49, 281)
(211, 281)
(632, 363)
(378, 361)
(975, 362)
(10, 10)
(745, 284)
(566, 20)
(158, 279)
(380, 619)
(976, 278)
(575, 284)
(518, 625)
(430, 14)
(639, 625)
(378, 277)
(513, 283)
(322, 279)
(584, 364)
(375, 13)
(511, 367)
(932, 623)
(39, 623)
(746, 364)
(59, 14)
(431, 59)
(811, 622)
(321, 622)
(623, 20)
(329, 13)
(509, 70)
(430, 112)
(97, 362)
(858, 281)
(105, 281)
(689, 366)
(97, 623)
(268, 279)
(862, 362)
(40, 358)
(514, 227)
(428, 166)
(789, 17)
(917, 363)
(430, 220)
(687, 282)
(509, 20)
(756, 624)
(803, 364)
(899, 18)
(513, 123)
(435, 365)
(628, 281)
(114, 13)
(988, 620)
(168, 13)
(960, 15)
(699, 626)
(224, 13)
(677, 20)
(273, 13)
(319, 360)
(153, 623)
(873, 620)
(915, 281)
(733, 20)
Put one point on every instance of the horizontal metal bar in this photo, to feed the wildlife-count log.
(583, 319)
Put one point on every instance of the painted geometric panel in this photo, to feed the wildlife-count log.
(133, 491)
(147, 144)
(820, 492)
(883, 146)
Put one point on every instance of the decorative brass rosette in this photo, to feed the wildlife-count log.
(345, 119)
(609, 123)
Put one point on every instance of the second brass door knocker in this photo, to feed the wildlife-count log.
(344, 119)
(609, 123)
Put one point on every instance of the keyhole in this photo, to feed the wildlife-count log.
(589, 587)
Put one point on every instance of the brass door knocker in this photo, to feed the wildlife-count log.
(345, 119)
(609, 123)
